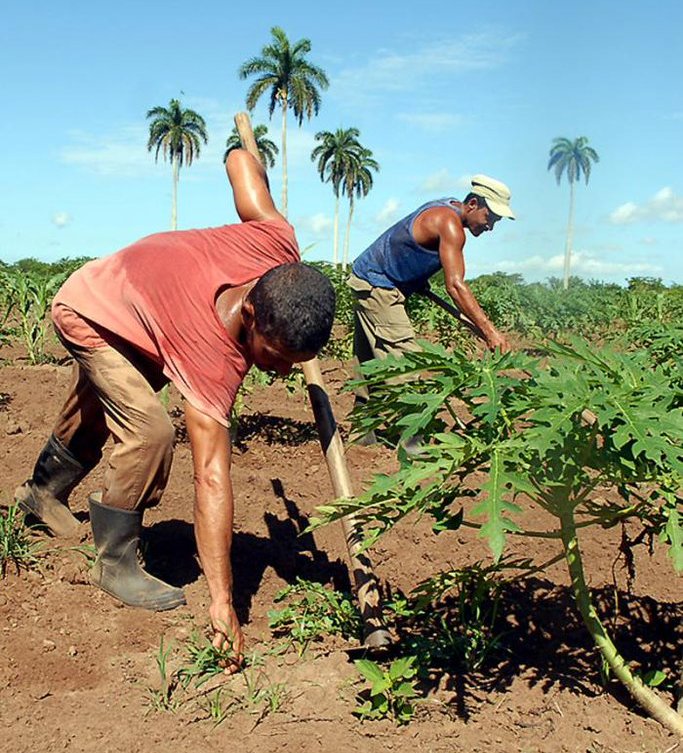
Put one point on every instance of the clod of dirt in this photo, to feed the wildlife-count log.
(13, 428)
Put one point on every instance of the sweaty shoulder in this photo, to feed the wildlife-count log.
(435, 222)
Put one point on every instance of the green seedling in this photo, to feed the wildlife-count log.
(163, 698)
(205, 661)
(17, 545)
(248, 691)
(392, 691)
(450, 620)
(313, 612)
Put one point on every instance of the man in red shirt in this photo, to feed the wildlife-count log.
(196, 308)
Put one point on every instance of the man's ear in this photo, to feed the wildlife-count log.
(248, 314)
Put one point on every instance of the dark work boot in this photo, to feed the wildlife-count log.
(45, 495)
(117, 569)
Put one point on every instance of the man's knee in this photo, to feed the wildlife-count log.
(157, 437)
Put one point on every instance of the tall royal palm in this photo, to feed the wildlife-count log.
(267, 148)
(290, 80)
(572, 158)
(335, 154)
(357, 183)
(178, 135)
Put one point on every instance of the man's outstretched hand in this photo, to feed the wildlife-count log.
(227, 635)
(496, 340)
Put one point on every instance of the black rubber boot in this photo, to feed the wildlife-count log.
(117, 569)
(45, 495)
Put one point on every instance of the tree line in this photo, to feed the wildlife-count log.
(283, 73)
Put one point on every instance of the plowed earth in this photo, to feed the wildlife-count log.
(79, 671)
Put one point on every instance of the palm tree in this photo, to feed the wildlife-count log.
(335, 153)
(357, 182)
(291, 82)
(574, 158)
(178, 134)
(267, 148)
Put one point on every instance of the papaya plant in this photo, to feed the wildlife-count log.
(591, 436)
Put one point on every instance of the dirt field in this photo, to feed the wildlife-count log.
(77, 668)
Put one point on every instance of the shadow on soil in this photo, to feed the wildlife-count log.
(171, 554)
(543, 638)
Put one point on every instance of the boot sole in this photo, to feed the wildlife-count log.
(49, 511)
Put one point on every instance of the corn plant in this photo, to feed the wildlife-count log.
(592, 437)
(163, 698)
(29, 295)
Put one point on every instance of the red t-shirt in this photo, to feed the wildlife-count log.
(159, 295)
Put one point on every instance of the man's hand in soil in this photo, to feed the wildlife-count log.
(227, 634)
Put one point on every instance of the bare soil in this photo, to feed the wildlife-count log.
(78, 671)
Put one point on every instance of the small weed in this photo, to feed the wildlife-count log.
(313, 612)
(257, 696)
(205, 661)
(17, 546)
(163, 699)
(451, 618)
(391, 691)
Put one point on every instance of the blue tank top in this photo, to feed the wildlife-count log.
(395, 260)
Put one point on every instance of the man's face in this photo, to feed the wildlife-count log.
(273, 356)
(480, 219)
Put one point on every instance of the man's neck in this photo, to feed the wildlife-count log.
(229, 308)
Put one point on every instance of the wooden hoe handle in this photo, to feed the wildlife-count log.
(375, 635)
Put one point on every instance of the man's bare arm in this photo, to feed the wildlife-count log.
(213, 519)
(250, 187)
(449, 234)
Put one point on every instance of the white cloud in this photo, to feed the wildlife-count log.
(388, 213)
(443, 182)
(61, 219)
(664, 206)
(433, 122)
(391, 71)
(121, 153)
(317, 224)
(583, 263)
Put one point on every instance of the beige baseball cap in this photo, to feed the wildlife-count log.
(496, 193)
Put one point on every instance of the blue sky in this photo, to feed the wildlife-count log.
(439, 92)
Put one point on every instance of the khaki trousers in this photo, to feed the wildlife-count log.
(381, 324)
(113, 393)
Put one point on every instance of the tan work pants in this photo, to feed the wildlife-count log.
(111, 393)
(381, 324)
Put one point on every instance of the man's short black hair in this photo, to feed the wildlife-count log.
(294, 306)
(481, 201)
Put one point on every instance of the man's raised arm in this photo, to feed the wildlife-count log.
(250, 189)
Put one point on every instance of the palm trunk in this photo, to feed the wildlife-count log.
(335, 254)
(345, 259)
(174, 200)
(284, 156)
(570, 237)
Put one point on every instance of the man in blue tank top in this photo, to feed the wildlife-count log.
(403, 258)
